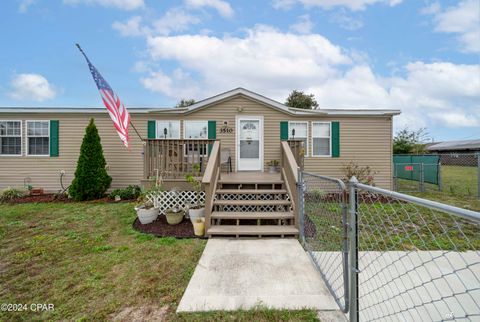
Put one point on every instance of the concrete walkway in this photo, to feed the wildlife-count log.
(237, 274)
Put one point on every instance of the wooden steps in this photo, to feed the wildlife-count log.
(251, 203)
(251, 191)
(247, 230)
(252, 215)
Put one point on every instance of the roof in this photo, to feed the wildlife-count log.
(456, 145)
(210, 101)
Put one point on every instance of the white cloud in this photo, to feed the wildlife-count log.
(303, 26)
(456, 119)
(179, 85)
(223, 7)
(345, 20)
(24, 5)
(131, 27)
(119, 4)
(354, 5)
(265, 59)
(174, 20)
(32, 87)
(463, 20)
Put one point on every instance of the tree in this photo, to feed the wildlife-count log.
(185, 102)
(91, 178)
(410, 142)
(299, 99)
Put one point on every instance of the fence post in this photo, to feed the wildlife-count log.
(353, 258)
(439, 175)
(478, 175)
(422, 177)
(300, 205)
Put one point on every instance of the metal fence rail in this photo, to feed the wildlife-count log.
(411, 259)
(324, 230)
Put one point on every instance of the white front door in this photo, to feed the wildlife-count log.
(249, 143)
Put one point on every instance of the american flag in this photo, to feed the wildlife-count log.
(118, 112)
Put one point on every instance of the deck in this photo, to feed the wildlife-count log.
(250, 177)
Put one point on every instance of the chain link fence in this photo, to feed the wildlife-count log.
(456, 174)
(324, 230)
(411, 259)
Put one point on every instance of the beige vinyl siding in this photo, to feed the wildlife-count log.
(366, 140)
(125, 167)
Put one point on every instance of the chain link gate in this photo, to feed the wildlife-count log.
(323, 221)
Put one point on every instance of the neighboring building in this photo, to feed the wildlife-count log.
(37, 144)
(463, 153)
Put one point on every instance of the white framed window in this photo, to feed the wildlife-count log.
(167, 129)
(38, 138)
(10, 138)
(195, 130)
(321, 139)
(298, 130)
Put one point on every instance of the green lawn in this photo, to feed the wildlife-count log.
(86, 260)
(456, 181)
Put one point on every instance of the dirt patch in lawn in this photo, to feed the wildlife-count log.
(161, 228)
(48, 197)
(142, 313)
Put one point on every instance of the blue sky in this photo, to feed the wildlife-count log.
(418, 56)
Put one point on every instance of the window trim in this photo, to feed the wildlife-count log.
(185, 129)
(21, 138)
(307, 150)
(173, 121)
(27, 137)
(322, 137)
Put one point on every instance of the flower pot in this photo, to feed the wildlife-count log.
(196, 213)
(199, 226)
(174, 217)
(272, 169)
(146, 215)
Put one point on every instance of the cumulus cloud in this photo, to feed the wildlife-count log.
(223, 7)
(354, 5)
(303, 26)
(24, 5)
(131, 28)
(462, 20)
(31, 87)
(119, 4)
(273, 63)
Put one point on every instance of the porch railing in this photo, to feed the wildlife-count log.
(298, 150)
(290, 172)
(209, 181)
(172, 158)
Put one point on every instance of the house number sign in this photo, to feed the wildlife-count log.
(225, 129)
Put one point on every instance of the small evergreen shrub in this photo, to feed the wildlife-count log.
(129, 193)
(91, 178)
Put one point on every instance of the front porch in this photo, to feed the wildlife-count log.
(243, 203)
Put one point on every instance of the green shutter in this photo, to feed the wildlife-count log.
(151, 129)
(212, 133)
(335, 139)
(212, 130)
(53, 138)
(284, 130)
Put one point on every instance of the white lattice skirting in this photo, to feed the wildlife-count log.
(168, 199)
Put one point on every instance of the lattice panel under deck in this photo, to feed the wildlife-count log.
(250, 208)
(168, 199)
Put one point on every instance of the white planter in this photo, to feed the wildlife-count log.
(272, 169)
(196, 213)
(146, 216)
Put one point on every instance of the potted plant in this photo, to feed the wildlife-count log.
(174, 215)
(146, 210)
(196, 210)
(273, 166)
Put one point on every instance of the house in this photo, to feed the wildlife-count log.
(462, 152)
(250, 130)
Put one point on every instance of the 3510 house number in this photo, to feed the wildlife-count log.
(225, 129)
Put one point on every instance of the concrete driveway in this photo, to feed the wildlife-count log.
(235, 274)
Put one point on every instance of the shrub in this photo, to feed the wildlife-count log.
(12, 193)
(129, 193)
(363, 174)
(91, 178)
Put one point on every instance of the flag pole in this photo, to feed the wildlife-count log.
(131, 123)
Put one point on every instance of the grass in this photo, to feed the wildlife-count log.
(87, 260)
(456, 181)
